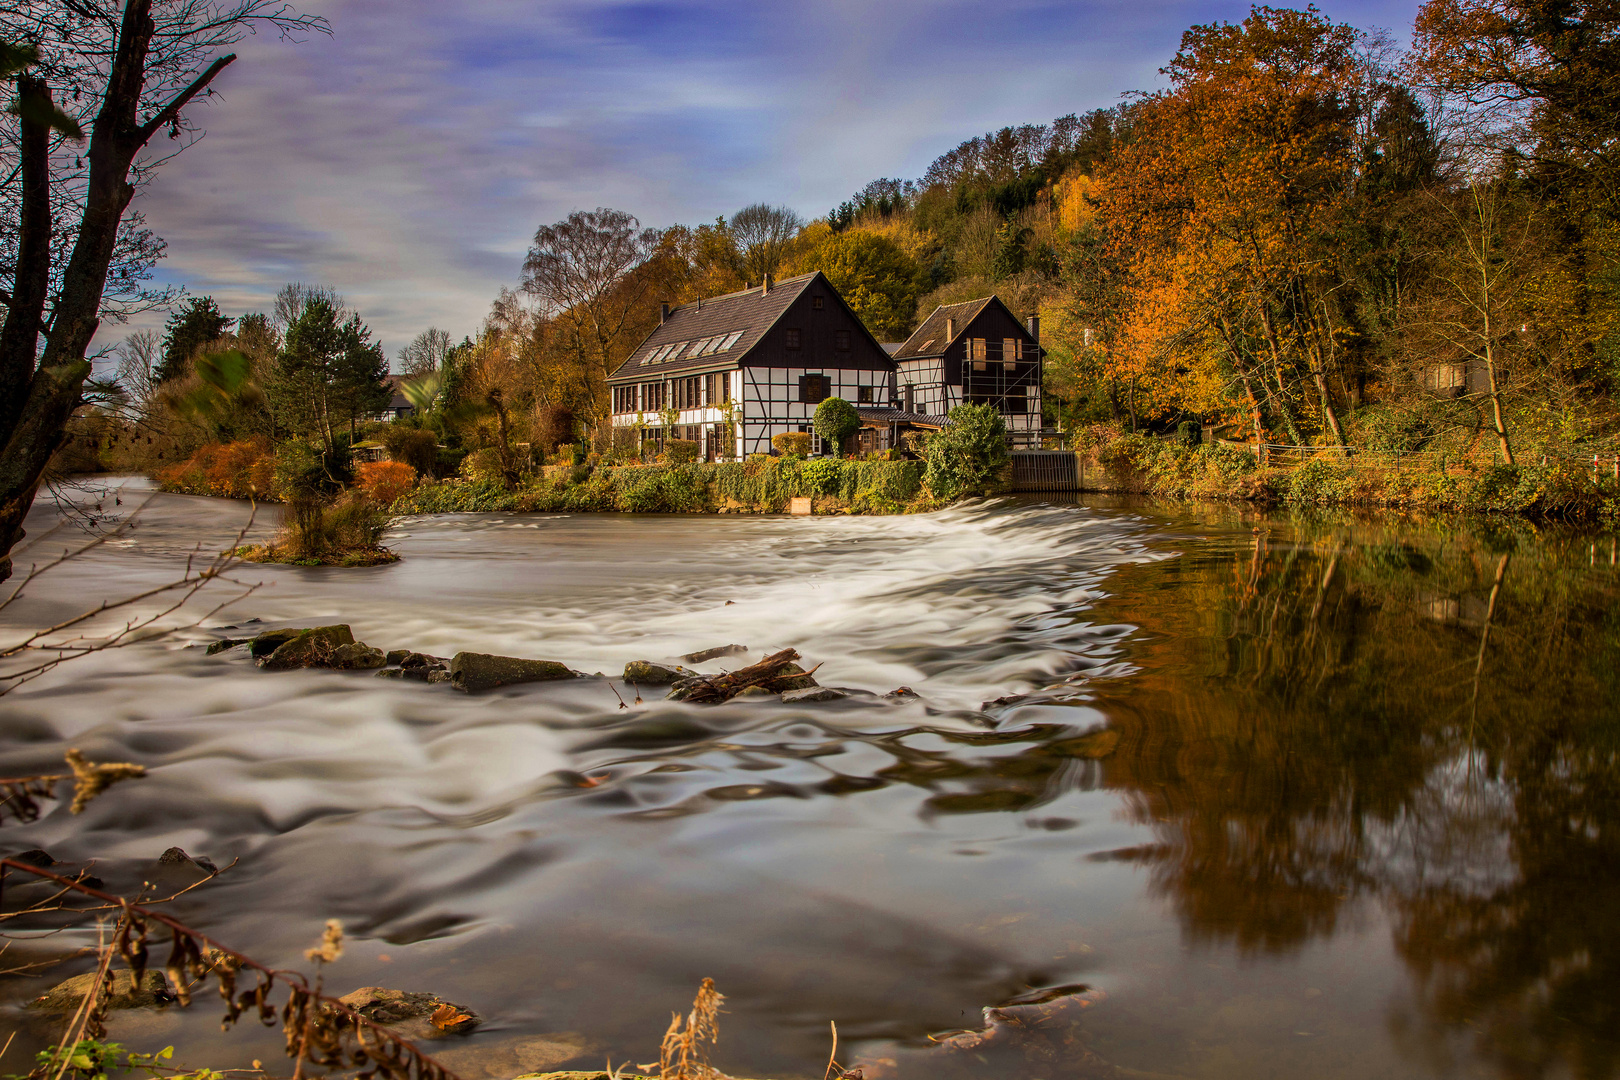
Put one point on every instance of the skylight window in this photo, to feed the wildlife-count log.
(731, 340)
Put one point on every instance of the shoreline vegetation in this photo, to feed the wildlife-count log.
(1108, 462)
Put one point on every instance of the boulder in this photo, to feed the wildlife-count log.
(396, 656)
(647, 673)
(356, 656)
(902, 693)
(793, 677)
(67, 996)
(227, 643)
(473, 672)
(814, 693)
(269, 641)
(755, 691)
(412, 1015)
(308, 648)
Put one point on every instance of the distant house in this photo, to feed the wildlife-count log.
(974, 353)
(742, 368)
(398, 405)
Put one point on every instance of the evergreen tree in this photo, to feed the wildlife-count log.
(198, 323)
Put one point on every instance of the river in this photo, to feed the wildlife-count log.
(1233, 793)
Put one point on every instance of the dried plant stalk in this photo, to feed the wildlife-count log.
(684, 1053)
(319, 1030)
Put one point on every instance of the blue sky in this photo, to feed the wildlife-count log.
(407, 159)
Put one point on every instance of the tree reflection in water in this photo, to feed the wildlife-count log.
(1334, 713)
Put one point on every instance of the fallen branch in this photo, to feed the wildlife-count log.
(776, 673)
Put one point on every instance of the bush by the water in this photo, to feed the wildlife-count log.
(384, 481)
(765, 485)
(236, 470)
(1117, 461)
(969, 457)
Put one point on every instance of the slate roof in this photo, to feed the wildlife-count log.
(740, 318)
(882, 415)
(929, 338)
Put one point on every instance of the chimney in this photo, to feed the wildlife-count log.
(663, 312)
(950, 330)
(911, 398)
(1033, 325)
(765, 285)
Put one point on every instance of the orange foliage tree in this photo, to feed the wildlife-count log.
(384, 481)
(237, 470)
(1224, 207)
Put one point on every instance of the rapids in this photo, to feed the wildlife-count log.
(1302, 797)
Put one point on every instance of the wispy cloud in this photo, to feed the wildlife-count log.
(408, 159)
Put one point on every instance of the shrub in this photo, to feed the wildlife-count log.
(1189, 433)
(300, 470)
(667, 491)
(791, 442)
(968, 457)
(681, 451)
(483, 466)
(836, 420)
(823, 475)
(384, 481)
(413, 446)
(236, 470)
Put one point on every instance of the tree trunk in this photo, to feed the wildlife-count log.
(47, 394)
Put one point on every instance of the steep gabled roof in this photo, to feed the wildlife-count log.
(738, 320)
(929, 338)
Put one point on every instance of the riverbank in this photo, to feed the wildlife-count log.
(1144, 465)
(765, 486)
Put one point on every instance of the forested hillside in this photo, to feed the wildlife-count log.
(1307, 237)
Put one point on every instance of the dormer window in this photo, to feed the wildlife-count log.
(794, 338)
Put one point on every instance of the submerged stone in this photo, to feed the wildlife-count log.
(67, 996)
(814, 693)
(227, 643)
(413, 1015)
(482, 671)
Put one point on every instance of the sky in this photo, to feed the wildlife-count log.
(407, 159)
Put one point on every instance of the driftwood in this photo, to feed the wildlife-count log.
(775, 674)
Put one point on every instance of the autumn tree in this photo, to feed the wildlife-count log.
(762, 234)
(1245, 165)
(75, 256)
(878, 280)
(425, 354)
(580, 270)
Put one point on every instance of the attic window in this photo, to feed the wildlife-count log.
(794, 338)
(818, 302)
(841, 340)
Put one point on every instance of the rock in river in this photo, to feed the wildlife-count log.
(647, 673)
(473, 672)
(305, 648)
(412, 1015)
(66, 996)
(814, 693)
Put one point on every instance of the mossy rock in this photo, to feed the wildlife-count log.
(473, 672)
(271, 640)
(310, 648)
(67, 996)
(647, 673)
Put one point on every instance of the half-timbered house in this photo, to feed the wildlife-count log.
(740, 369)
(975, 353)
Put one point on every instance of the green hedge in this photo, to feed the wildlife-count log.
(861, 487)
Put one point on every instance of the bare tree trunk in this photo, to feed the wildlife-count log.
(40, 399)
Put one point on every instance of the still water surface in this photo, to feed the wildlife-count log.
(1285, 797)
